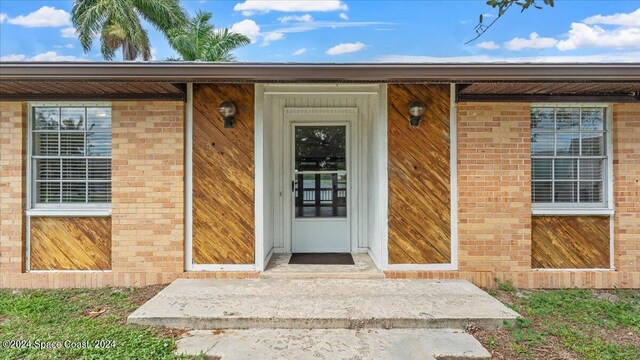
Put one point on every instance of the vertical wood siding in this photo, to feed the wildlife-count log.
(70, 243)
(419, 177)
(223, 176)
(570, 242)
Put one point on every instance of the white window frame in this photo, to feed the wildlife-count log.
(59, 209)
(605, 208)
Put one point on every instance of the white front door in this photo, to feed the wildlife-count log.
(320, 186)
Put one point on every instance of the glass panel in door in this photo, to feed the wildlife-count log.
(320, 174)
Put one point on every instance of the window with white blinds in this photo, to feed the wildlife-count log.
(569, 156)
(71, 155)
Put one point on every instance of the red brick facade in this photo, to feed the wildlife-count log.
(493, 200)
(12, 188)
(147, 200)
(494, 187)
(626, 187)
(495, 209)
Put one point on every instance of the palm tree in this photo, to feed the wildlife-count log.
(200, 41)
(119, 25)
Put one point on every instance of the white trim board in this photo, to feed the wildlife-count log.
(347, 116)
(188, 180)
(259, 182)
(188, 201)
(453, 181)
(382, 190)
(453, 174)
(58, 210)
(585, 209)
(274, 99)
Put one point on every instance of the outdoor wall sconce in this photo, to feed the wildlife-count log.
(416, 110)
(228, 111)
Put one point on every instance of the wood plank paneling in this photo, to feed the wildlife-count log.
(419, 176)
(86, 87)
(70, 243)
(223, 176)
(570, 242)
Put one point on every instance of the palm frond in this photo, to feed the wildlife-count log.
(89, 17)
(201, 41)
(103, 17)
(164, 15)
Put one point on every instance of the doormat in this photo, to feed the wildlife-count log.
(321, 259)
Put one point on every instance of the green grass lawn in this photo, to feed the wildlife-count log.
(95, 318)
(568, 324)
(556, 324)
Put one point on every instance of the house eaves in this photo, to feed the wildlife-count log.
(181, 72)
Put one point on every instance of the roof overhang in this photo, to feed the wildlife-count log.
(166, 80)
(293, 72)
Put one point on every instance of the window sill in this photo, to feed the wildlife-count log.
(572, 212)
(69, 212)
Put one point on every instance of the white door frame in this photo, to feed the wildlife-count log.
(322, 116)
(291, 170)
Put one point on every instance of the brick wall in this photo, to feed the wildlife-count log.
(147, 200)
(626, 186)
(494, 187)
(12, 182)
(148, 188)
(495, 209)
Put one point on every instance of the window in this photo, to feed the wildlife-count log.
(70, 155)
(569, 156)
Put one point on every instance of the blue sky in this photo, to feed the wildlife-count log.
(360, 31)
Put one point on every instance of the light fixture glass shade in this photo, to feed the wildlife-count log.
(416, 109)
(227, 109)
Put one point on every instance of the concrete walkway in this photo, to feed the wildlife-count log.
(322, 304)
(334, 344)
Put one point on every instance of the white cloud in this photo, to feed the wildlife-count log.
(300, 51)
(270, 37)
(621, 19)
(617, 57)
(69, 32)
(247, 27)
(46, 56)
(68, 46)
(301, 18)
(488, 16)
(3, 17)
(313, 25)
(46, 16)
(533, 42)
(14, 57)
(250, 29)
(344, 16)
(346, 48)
(250, 7)
(488, 45)
(585, 36)
(54, 56)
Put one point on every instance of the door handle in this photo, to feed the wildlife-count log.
(293, 185)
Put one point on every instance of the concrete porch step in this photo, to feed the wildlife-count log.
(363, 344)
(322, 304)
(363, 268)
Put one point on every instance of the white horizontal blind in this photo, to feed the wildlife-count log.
(569, 155)
(71, 154)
